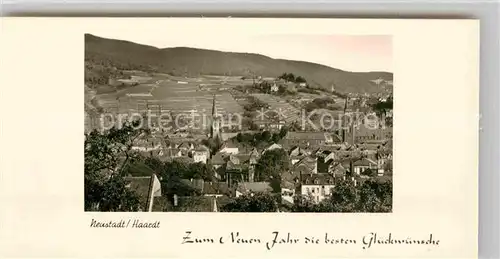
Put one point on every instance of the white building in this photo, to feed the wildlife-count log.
(364, 164)
(317, 186)
(230, 148)
(288, 195)
(201, 154)
(274, 88)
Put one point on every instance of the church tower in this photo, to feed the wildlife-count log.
(344, 123)
(215, 127)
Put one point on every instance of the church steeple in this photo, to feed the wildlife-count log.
(215, 127)
(344, 123)
(214, 109)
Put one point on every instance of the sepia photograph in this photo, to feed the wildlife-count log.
(262, 123)
(214, 137)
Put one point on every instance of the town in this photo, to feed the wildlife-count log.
(224, 143)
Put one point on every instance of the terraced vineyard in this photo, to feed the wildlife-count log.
(171, 95)
(276, 104)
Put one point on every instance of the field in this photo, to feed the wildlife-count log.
(165, 93)
(276, 104)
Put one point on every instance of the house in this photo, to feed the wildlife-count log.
(170, 153)
(287, 195)
(363, 133)
(252, 188)
(297, 153)
(253, 159)
(185, 146)
(337, 170)
(290, 180)
(271, 124)
(218, 160)
(361, 165)
(201, 154)
(274, 88)
(317, 186)
(216, 189)
(225, 136)
(230, 147)
(236, 169)
(254, 154)
(306, 165)
(325, 156)
(309, 139)
(147, 143)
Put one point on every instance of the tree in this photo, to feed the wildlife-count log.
(214, 144)
(199, 171)
(375, 196)
(283, 132)
(344, 197)
(107, 155)
(287, 77)
(369, 172)
(258, 202)
(117, 197)
(271, 165)
(300, 79)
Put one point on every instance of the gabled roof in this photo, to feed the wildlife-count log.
(305, 165)
(230, 144)
(272, 147)
(216, 188)
(297, 151)
(365, 162)
(234, 159)
(291, 135)
(243, 158)
(218, 159)
(254, 153)
(201, 147)
(254, 187)
(233, 163)
(337, 170)
(185, 145)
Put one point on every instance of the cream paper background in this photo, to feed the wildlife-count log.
(436, 69)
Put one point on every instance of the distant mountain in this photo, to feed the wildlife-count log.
(192, 62)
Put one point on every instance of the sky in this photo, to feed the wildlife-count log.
(356, 53)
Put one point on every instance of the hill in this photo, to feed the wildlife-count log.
(110, 55)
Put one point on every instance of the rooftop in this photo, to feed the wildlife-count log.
(254, 187)
(318, 179)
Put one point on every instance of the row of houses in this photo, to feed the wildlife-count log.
(317, 162)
